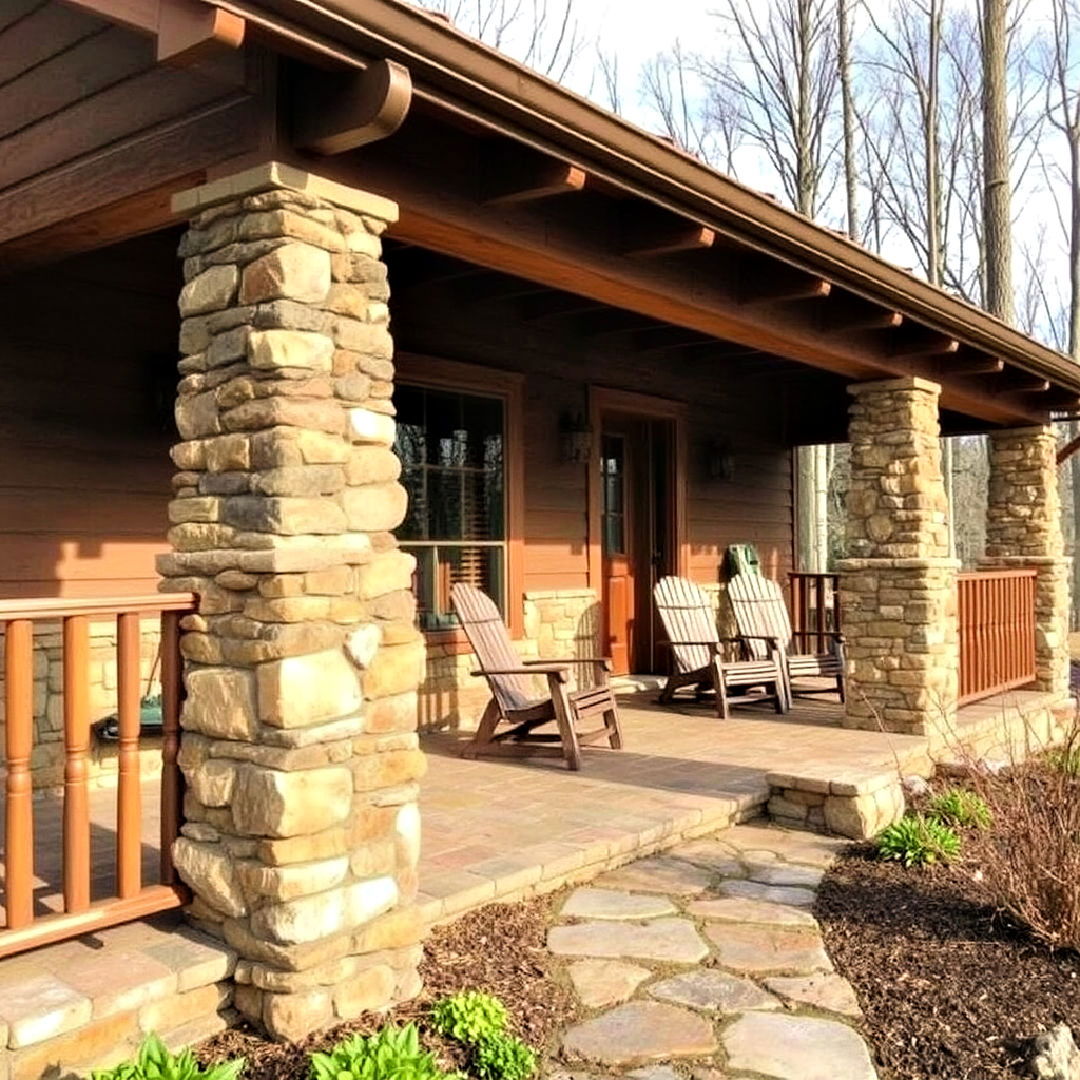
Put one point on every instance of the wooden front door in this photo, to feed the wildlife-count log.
(617, 536)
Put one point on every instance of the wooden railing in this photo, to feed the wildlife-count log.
(24, 927)
(815, 607)
(997, 631)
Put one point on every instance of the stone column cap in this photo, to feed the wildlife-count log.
(855, 565)
(275, 176)
(905, 382)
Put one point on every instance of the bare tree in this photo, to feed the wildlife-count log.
(670, 86)
(780, 76)
(847, 100)
(997, 201)
(545, 34)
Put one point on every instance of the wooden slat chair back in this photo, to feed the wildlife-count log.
(763, 623)
(520, 698)
(696, 653)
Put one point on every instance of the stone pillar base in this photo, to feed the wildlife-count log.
(903, 643)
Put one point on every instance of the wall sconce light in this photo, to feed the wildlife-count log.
(721, 461)
(575, 440)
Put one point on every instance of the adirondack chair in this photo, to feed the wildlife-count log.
(762, 619)
(515, 699)
(695, 653)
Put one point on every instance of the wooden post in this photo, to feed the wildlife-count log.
(76, 666)
(128, 804)
(19, 739)
(170, 746)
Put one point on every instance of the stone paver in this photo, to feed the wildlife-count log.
(732, 909)
(673, 941)
(605, 982)
(796, 1048)
(757, 986)
(641, 1031)
(714, 991)
(830, 993)
(662, 874)
(776, 894)
(613, 904)
(768, 948)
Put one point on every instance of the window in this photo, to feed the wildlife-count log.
(452, 447)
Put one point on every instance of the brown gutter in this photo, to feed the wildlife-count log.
(470, 72)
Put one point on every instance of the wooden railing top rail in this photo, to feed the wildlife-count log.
(994, 575)
(59, 607)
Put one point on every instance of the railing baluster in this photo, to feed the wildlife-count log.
(76, 668)
(128, 801)
(170, 746)
(19, 743)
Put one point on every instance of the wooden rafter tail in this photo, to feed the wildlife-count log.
(670, 239)
(516, 175)
(926, 344)
(783, 286)
(190, 32)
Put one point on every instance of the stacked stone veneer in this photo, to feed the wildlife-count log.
(47, 758)
(299, 747)
(1023, 529)
(898, 585)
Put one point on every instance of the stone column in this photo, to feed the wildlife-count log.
(898, 584)
(1023, 528)
(299, 746)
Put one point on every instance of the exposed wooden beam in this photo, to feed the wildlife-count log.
(336, 112)
(1013, 379)
(973, 364)
(779, 285)
(518, 175)
(673, 239)
(924, 343)
(863, 317)
(614, 323)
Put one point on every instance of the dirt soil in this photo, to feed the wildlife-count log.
(951, 990)
(498, 949)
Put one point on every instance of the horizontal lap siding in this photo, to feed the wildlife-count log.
(84, 467)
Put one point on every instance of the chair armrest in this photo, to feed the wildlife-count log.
(679, 644)
(604, 660)
(543, 668)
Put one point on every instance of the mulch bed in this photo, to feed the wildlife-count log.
(498, 949)
(950, 988)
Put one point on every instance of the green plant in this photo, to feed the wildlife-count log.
(503, 1057)
(917, 840)
(962, 808)
(393, 1053)
(155, 1062)
(469, 1016)
(1066, 761)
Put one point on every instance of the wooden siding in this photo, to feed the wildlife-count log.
(86, 364)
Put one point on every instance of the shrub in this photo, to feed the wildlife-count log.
(469, 1016)
(155, 1062)
(394, 1053)
(1030, 859)
(503, 1057)
(917, 840)
(962, 808)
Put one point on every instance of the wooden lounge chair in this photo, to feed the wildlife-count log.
(514, 697)
(695, 653)
(762, 619)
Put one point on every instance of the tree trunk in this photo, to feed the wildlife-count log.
(997, 215)
(934, 256)
(843, 61)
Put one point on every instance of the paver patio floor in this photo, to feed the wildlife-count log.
(496, 826)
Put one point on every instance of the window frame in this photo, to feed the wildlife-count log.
(436, 373)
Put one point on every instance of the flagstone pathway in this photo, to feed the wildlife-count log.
(705, 962)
